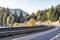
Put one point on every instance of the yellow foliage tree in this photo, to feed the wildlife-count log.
(8, 19)
(38, 17)
(31, 22)
(48, 14)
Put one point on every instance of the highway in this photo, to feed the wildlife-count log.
(22, 30)
(46, 35)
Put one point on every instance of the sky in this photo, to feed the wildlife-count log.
(29, 6)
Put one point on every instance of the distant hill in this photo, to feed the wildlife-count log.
(0, 8)
(18, 11)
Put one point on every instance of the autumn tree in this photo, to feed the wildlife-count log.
(10, 19)
(38, 16)
(59, 18)
(4, 19)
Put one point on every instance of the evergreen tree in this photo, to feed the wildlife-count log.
(8, 12)
(16, 16)
(20, 17)
(21, 14)
(1, 20)
(54, 15)
(33, 15)
(58, 8)
(51, 13)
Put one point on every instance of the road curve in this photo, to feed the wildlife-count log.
(47, 35)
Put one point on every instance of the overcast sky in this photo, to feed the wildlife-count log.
(29, 5)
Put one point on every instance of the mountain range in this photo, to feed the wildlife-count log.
(17, 11)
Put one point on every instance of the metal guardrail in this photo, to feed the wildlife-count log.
(22, 30)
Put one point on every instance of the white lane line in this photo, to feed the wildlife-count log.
(55, 37)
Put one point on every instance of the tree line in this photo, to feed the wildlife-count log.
(52, 14)
(6, 17)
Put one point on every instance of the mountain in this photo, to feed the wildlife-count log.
(1, 8)
(18, 11)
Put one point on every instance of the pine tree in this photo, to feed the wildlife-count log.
(33, 15)
(20, 17)
(21, 14)
(8, 12)
(16, 16)
(1, 20)
(52, 13)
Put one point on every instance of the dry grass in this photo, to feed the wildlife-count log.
(48, 22)
(33, 23)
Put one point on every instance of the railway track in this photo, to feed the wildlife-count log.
(9, 31)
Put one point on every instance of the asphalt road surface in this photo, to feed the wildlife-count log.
(46, 35)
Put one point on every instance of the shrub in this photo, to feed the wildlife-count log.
(31, 22)
(15, 25)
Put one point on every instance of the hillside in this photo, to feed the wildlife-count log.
(18, 11)
(9, 17)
